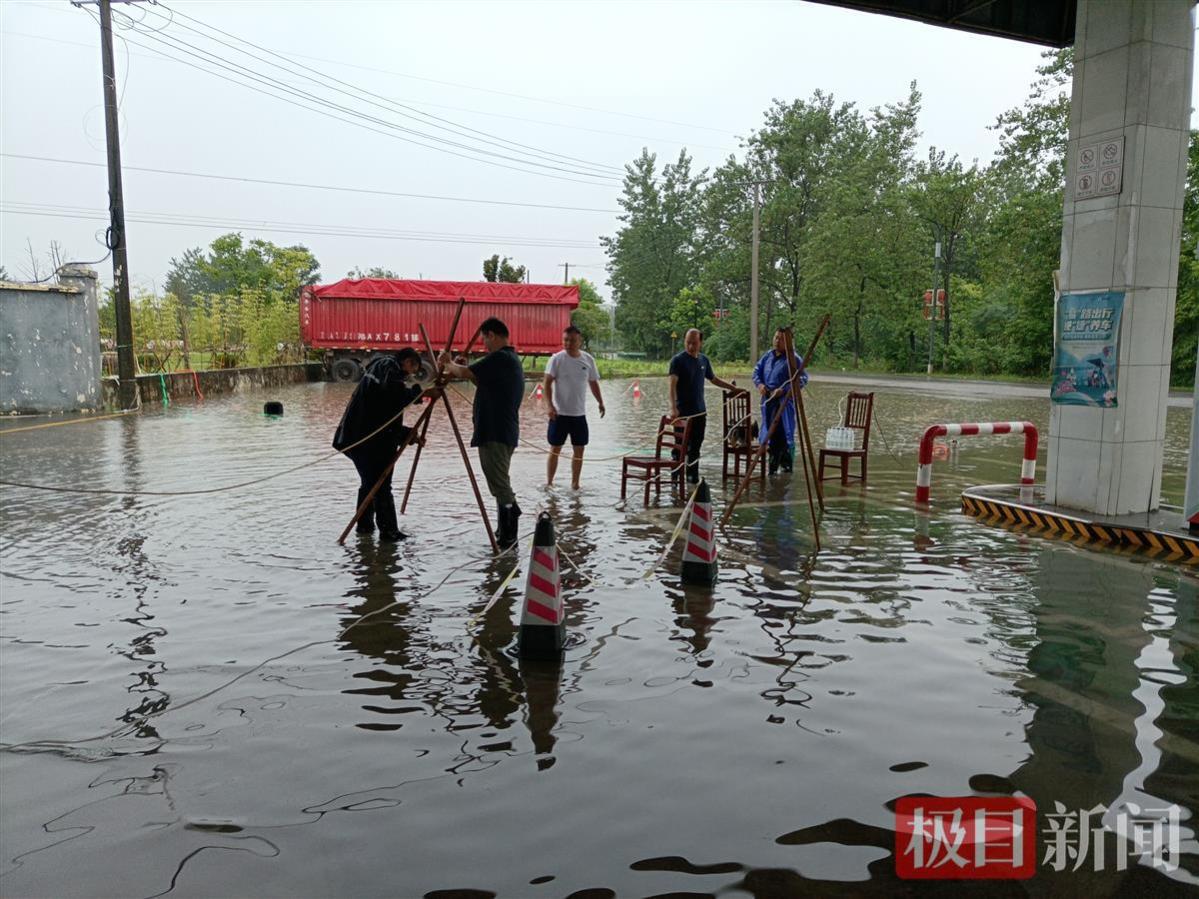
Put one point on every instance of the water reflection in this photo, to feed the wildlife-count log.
(1099, 671)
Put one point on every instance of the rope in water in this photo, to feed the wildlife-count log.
(54, 745)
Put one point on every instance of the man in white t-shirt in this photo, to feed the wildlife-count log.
(568, 374)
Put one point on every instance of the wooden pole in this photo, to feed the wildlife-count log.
(795, 394)
(474, 485)
(420, 444)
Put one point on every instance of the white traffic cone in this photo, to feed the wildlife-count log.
(542, 624)
(699, 556)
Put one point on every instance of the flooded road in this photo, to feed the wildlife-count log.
(193, 704)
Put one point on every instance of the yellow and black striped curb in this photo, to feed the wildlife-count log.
(1168, 547)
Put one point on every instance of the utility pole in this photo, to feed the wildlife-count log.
(126, 370)
(932, 312)
(566, 274)
(753, 276)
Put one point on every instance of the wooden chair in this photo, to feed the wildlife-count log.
(740, 434)
(859, 412)
(670, 450)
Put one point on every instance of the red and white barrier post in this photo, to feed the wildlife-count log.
(542, 623)
(699, 556)
(924, 471)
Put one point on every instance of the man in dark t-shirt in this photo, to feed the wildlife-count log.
(688, 371)
(499, 390)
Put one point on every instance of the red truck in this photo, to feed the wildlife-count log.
(354, 319)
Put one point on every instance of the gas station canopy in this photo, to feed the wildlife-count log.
(1048, 22)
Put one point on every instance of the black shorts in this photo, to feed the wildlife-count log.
(574, 426)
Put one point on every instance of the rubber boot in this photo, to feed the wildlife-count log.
(501, 527)
(506, 534)
(385, 513)
(366, 524)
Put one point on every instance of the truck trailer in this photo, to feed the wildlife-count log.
(354, 319)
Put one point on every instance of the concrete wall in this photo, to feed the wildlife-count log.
(50, 345)
(182, 385)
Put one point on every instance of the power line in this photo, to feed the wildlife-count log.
(296, 228)
(412, 112)
(487, 90)
(330, 187)
(484, 112)
(439, 144)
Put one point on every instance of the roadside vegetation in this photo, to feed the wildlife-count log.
(849, 220)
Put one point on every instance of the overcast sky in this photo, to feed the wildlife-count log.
(583, 86)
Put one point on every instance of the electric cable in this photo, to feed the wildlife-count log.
(397, 131)
(300, 184)
(296, 228)
(355, 91)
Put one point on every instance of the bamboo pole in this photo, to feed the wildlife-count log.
(795, 393)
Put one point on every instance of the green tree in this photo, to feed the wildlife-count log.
(590, 317)
(654, 253)
(501, 270)
(231, 265)
(1186, 308)
(946, 197)
(374, 271)
(865, 265)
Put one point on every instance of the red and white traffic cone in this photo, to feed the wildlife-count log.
(699, 557)
(538, 392)
(636, 390)
(542, 624)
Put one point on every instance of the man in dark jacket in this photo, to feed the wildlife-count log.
(500, 388)
(379, 397)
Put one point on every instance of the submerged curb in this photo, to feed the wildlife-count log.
(987, 504)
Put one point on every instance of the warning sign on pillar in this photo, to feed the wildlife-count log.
(1099, 171)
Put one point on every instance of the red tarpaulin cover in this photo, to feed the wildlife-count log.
(449, 291)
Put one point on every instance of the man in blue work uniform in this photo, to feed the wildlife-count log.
(771, 376)
(380, 396)
(688, 371)
(499, 381)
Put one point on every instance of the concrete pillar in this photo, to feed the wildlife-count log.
(1132, 80)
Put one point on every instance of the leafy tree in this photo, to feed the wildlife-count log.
(1186, 309)
(590, 317)
(1032, 141)
(501, 270)
(946, 197)
(865, 261)
(232, 265)
(374, 271)
(654, 254)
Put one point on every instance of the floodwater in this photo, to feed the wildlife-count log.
(189, 707)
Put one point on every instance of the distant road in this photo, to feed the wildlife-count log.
(955, 388)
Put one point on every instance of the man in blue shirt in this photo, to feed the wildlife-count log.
(688, 371)
(771, 375)
(499, 381)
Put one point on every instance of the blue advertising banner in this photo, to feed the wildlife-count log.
(1084, 360)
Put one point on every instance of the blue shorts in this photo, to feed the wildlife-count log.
(573, 425)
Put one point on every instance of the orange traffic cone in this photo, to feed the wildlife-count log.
(699, 557)
(636, 390)
(542, 624)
